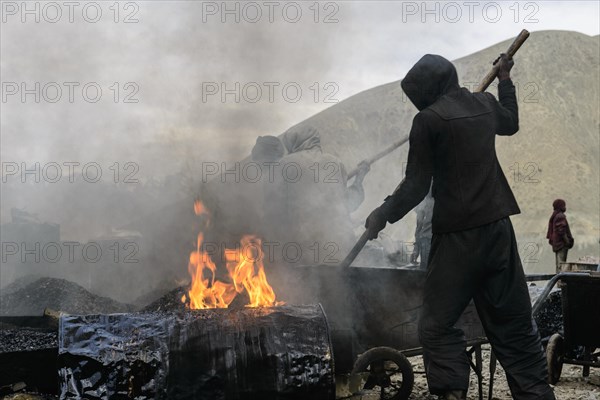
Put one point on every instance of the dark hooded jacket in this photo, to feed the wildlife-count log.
(267, 148)
(452, 141)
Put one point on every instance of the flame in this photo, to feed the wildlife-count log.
(244, 266)
(199, 208)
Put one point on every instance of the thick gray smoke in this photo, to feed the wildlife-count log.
(111, 113)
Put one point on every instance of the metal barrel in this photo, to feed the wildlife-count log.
(253, 353)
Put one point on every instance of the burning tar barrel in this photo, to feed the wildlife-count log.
(254, 353)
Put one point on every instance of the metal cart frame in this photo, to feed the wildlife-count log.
(581, 321)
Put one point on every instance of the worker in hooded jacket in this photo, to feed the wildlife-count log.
(312, 202)
(474, 253)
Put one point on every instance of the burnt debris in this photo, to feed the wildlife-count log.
(171, 301)
(28, 360)
(549, 318)
(12, 340)
(32, 298)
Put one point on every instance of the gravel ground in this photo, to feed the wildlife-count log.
(572, 386)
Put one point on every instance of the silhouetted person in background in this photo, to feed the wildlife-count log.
(267, 149)
(312, 203)
(235, 197)
(423, 232)
(559, 235)
(306, 141)
(267, 152)
(355, 193)
(474, 254)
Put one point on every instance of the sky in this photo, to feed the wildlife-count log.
(164, 83)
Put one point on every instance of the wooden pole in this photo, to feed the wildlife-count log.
(516, 44)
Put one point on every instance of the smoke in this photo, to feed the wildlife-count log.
(170, 56)
(134, 105)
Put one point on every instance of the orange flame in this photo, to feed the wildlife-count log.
(245, 268)
(199, 208)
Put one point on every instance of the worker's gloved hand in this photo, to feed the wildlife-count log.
(375, 223)
(363, 168)
(504, 65)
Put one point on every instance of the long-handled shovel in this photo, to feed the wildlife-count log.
(364, 238)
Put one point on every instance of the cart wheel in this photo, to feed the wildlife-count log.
(386, 372)
(554, 356)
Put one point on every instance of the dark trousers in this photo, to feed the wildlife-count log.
(560, 256)
(483, 265)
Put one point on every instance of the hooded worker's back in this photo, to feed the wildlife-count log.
(453, 139)
(431, 77)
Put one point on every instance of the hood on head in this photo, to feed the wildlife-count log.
(301, 138)
(559, 205)
(267, 148)
(431, 77)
